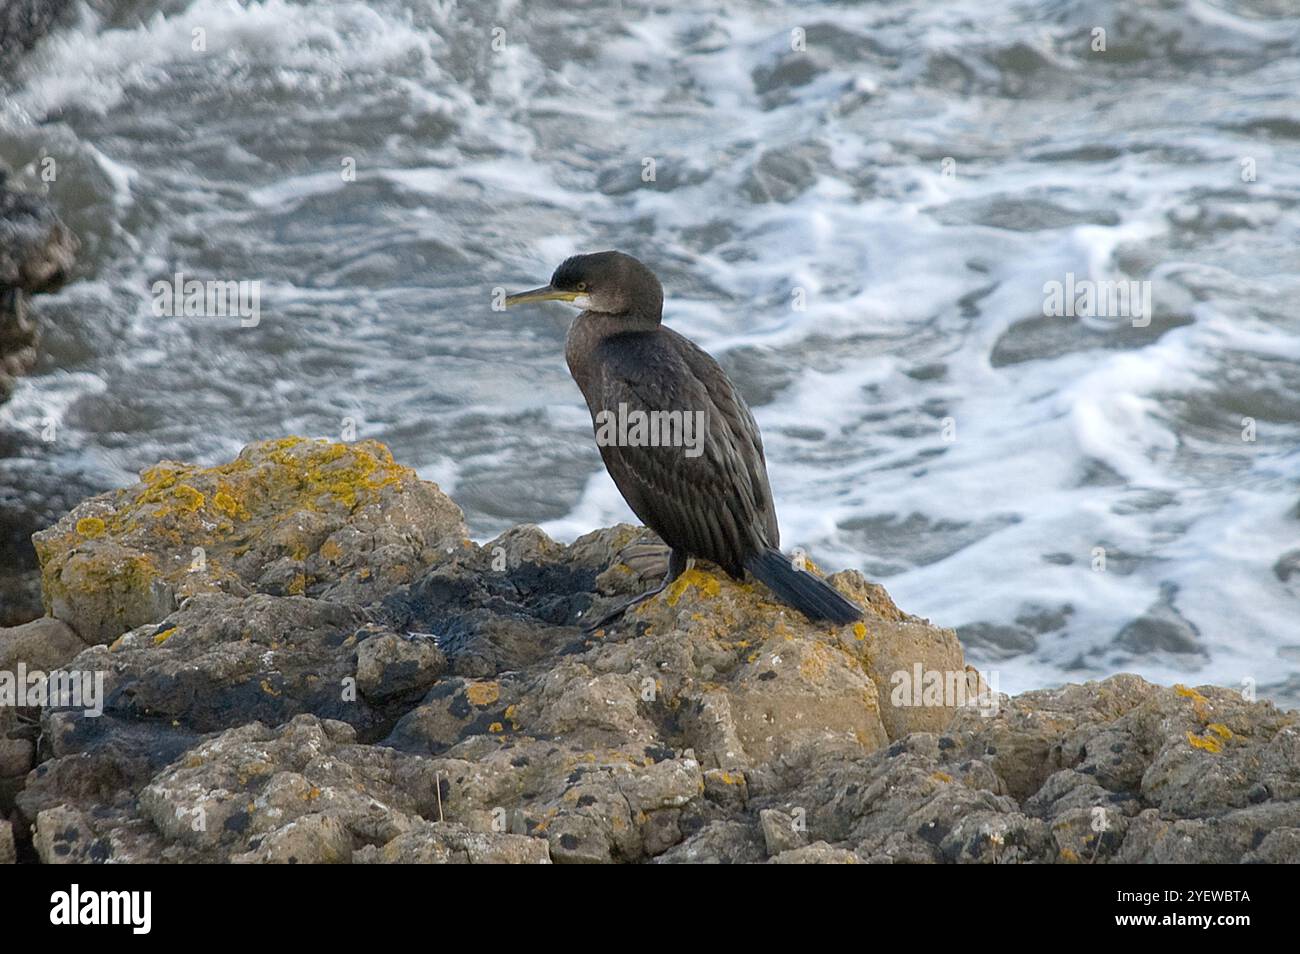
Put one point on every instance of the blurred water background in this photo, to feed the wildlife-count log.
(855, 206)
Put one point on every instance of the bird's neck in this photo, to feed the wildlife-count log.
(599, 324)
(590, 329)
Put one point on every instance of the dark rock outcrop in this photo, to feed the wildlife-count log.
(37, 252)
(24, 22)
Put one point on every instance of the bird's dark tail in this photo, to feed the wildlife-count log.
(805, 591)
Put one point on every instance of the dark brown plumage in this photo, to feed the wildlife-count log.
(715, 504)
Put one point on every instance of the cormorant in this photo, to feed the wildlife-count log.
(703, 487)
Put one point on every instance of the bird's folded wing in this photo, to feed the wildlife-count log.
(710, 497)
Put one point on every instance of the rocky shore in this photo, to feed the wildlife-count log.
(37, 254)
(300, 656)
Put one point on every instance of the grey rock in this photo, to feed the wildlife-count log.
(1279, 846)
(37, 251)
(722, 842)
(314, 839)
(728, 789)
(780, 833)
(45, 644)
(1161, 629)
(63, 837)
(1287, 565)
(17, 756)
(784, 175)
(997, 641)
(389, 665)
(448, 843)
(817, 854)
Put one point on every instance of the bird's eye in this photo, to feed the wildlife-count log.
(582, 286)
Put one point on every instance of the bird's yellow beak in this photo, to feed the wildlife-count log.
(545, 293)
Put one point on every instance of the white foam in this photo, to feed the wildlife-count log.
(1054, 455)
(94, 68)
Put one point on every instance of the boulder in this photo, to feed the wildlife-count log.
(293, 517)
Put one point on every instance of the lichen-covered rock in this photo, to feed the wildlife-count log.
(457, 711)
(818, 854)
(1114, 771)
(307, 791)
(450, 843)
(340, 522)
(315, 839)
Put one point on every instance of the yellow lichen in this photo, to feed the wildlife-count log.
(159, 477)
(1202, 742)
(860, 630)
(164, 636)
(1200, 704)
(483, 693)
(90, 527)
(705, 583)
(496, 727)
(228, 505)
(814, 666)
(190, 498)
(1219, 729)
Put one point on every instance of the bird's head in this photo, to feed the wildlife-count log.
(609, 283)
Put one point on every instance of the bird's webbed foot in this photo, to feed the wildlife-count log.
(678, 562)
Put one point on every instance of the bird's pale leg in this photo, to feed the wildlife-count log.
(678, 563)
